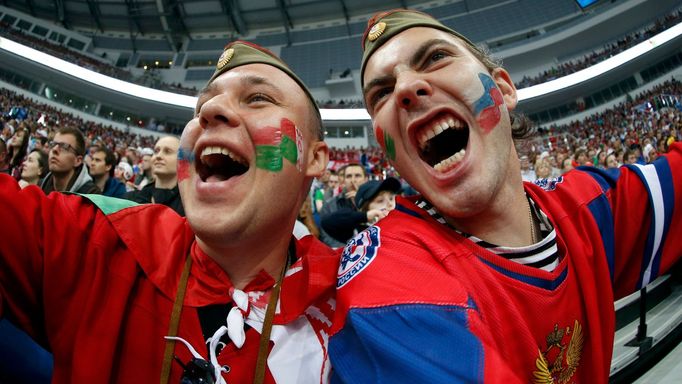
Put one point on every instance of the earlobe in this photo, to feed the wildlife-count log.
(318, 157)
(79, 161)
(506, 86)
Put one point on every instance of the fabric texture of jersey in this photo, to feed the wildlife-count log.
(417, 302)
(95, 284)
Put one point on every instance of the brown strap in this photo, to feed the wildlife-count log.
(175, 321)
(263, 349)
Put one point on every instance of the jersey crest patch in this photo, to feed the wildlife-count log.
(358, 253)
(549, 184)
(558, 363)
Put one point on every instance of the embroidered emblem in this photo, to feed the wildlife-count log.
(225, 58)
(376, 31)
(558, 363)
(549, 184)
(358, 253)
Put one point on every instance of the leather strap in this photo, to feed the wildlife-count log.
(175, 321)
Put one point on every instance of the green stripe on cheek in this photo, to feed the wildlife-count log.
(390, 146)
(289, 150)
(269, 157)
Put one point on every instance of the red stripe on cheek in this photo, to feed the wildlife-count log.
(183, 170)
(288, 128)
(267, 136)
(489, 118)
(380, 137)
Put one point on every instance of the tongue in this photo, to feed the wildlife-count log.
(216, 178)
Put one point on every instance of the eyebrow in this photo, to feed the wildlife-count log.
(414, 61)
(245, 80)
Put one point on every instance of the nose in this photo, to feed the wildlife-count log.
(217, 112)
(411, 88)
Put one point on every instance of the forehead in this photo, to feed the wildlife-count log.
(353, 170)
(250, 76)
(65, 138)
(403, 46)
(167, 142)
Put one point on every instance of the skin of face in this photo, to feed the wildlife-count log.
(422, 74)
(146, 162)
(31, 170)
(231, 111)
(384, 200)
(18, 138)
(60, 160)
(333, 181)
(98, 165)
(611, 161)
(165, 158)
(353, 178)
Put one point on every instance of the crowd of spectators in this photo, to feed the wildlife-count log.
(608, 51)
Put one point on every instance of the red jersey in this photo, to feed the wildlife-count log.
(418, 302)
(94, 280)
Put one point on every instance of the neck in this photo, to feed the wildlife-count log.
(164, 182)
(505, 220)
(61, 180)
(101, 180)
(243, 262)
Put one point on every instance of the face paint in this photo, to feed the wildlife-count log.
(486, 108)
(386, 143)
(274, 144)
(185, 157)
(268, 152)
(292, 143)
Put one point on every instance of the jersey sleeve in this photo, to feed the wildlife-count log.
(639, 216)
(43, 243)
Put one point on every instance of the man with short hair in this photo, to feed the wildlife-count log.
(127, 293)
(482, 277)
(340, 218)
(102, 171)
(145, 176)
(164, 190)
(67, 170)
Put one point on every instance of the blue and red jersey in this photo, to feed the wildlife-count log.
(417, 302)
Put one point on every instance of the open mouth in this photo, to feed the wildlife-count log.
(443, 142)
(219, 164)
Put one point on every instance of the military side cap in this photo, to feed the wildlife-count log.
(384, 25)
(238, 53)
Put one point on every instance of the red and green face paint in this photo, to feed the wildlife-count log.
(185, 157)
(386, 142)
(273, 144)
(487, 107)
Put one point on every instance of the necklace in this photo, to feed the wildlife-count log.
(533, 236)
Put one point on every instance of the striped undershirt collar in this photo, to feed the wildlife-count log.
(543, 254)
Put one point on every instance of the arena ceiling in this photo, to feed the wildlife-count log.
(178, 19)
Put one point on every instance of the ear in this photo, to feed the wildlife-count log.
(506, 85)
(79, 160)
(318, 157)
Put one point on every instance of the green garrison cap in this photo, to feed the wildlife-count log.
(384, 25)
(238, 53)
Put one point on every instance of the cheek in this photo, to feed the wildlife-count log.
(274, 144)
(386, 142)
(185, 158)
(486, 107)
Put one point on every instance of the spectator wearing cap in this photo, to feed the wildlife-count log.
(164, 190)
(102, 172)
(67, 170)
(372, 202)
(377, 198)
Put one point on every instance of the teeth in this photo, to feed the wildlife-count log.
(437, 127)
(450, 162)
(223, 151)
